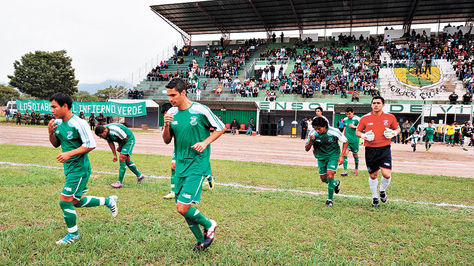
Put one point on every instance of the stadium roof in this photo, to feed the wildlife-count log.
(227, 16)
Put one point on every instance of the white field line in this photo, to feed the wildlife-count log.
(237, 185)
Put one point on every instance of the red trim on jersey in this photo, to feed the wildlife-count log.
(377, 123)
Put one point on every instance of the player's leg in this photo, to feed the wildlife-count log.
(93, 201)
(127, 149)
(189, 194)
(171, 195)
(371, 160)
(386, 169)
(69, 213)
(355, 153)
(332, 183)
(345, 163)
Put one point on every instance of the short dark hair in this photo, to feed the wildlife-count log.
(62, 99)
(319, 122)
(349, 109)
(378, 97)
(99, 130)
(165, 107)
(177, 84)
(319, 108)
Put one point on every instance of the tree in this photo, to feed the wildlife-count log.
(110, 92)
(41, 74)
(84, 96)
(7, 93)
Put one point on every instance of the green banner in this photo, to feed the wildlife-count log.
(106, 108)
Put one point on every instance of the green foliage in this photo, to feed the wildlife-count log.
(110, 92)
(7, 93)
(84, 96)
(40, 74)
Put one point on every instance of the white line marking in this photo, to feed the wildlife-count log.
(236, 185)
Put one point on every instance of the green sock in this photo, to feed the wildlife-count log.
(70, 216)
(173, 178)
(196, 216)
(331, 186)
(122, 171)
(91, 201)
(345, 163)
(196, 229)
(356, 160)
(133, 168)
(210, 178)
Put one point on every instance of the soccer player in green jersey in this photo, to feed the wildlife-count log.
(116, 132)
(350, 125)
(325, 142)
(189, 123)
(76, 141)
(429, 132)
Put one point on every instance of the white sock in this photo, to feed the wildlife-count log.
(373, 187)
(384, 183)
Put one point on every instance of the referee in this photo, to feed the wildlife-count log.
(377, 129)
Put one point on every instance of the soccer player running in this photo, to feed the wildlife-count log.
(189, 124)
(377, 128)
(350, 125)
(76, 141)
(116, 132)
(325, 142)
(429, 132)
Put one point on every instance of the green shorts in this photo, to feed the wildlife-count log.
(327, 164)
(127, 148)
(449, 138)
(353, 147)
(428, 138)
(188, 189)
(75, 186)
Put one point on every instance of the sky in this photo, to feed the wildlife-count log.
(107, 40)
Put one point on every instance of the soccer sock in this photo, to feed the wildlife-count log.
(331, 186)
(70, 216)
(173, 180)
(356, 160)
(345, 163)
(427, 145)
(373, 187)
(133, 168)
(210, 178)
(91, 201)
(122, 172)
(384, 182)
(195, 215)
(196, 229)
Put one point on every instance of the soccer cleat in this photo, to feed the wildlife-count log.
(169, 195)
(210, 179)
(336, 188)
(375, 202)
(383, 196)
(113, 205)
(464, 149)
(117, 184)
(209, 234)
(344, 173)
(328, 203)
(198, 247)
(356, 172)
(140, 179)
(68, 239)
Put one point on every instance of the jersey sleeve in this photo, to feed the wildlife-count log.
(212, 118)
(312, 132)
(394, 122)
(361, 125)
(85, 132)
(338, 134)
(117, 131)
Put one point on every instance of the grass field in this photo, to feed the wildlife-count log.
(255, 226)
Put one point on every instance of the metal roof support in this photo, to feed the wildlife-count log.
(300, 28)
(267, 28)
(411, 14)
(186, 37)
(219, 25)
(350, 34)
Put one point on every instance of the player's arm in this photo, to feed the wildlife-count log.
(201, 146)
(88, 143)
(112, 148)
(67, 155)
(309, 141)
(344, 149)
(167, 136)
(52, 138)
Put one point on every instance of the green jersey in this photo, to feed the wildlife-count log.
(73, 134)
(351, 132)
(326, 145)
(429, 131)
(118, 132)
(189, 127)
